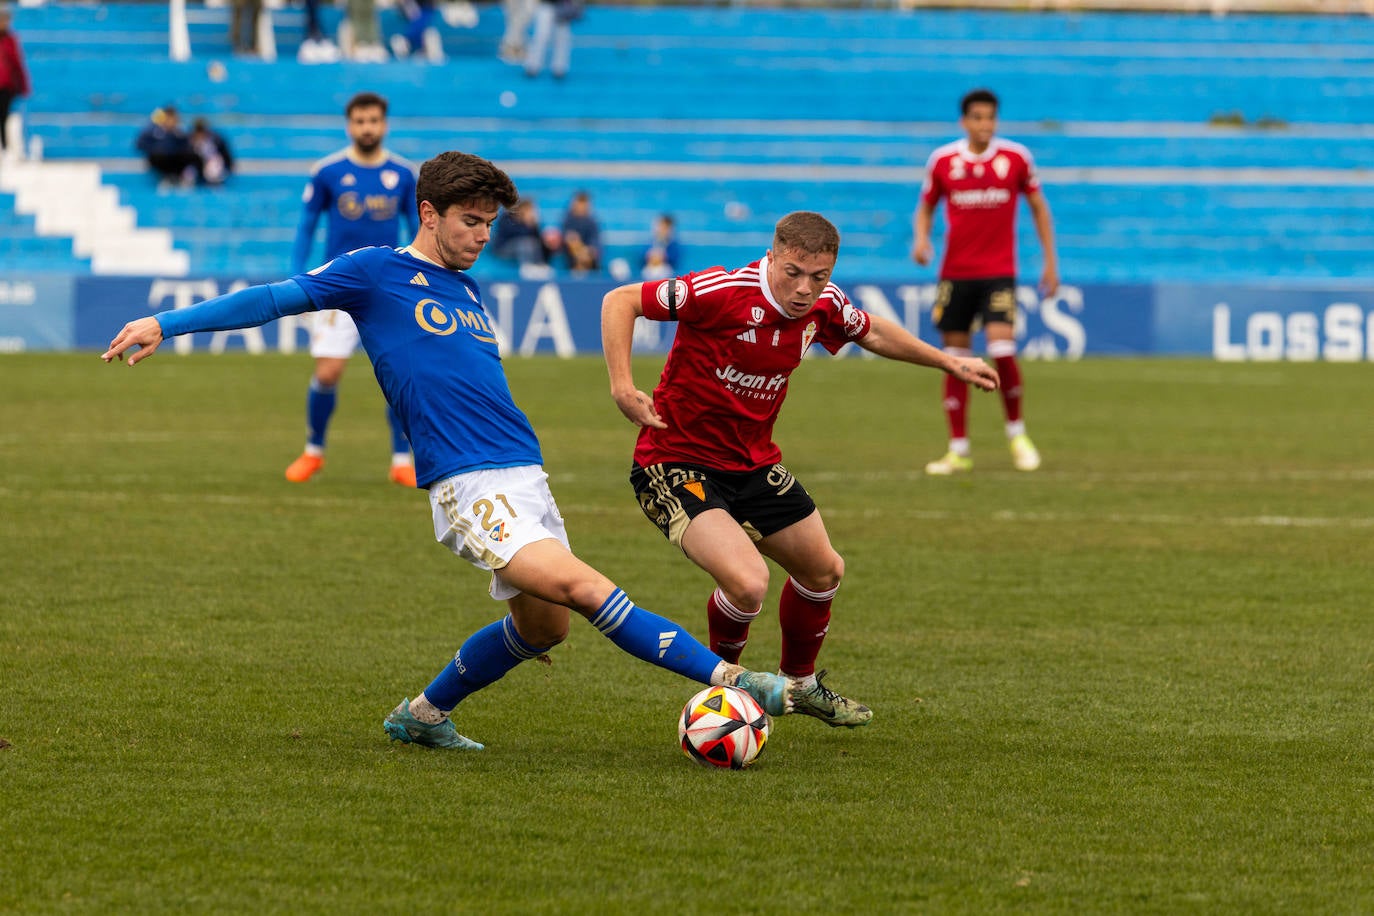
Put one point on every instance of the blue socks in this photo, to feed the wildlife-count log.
(488, 654)
(319, 407)
(484, 658)
(655, 639)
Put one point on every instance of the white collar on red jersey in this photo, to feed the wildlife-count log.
(764, 288)
(994, 147)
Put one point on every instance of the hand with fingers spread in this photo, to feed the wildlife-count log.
(145, 333)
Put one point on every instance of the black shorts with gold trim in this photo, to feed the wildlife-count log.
(764, 501)
(967, 305)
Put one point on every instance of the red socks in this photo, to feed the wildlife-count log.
(728, 625)
(1010, 375)
(956, 407)
(805, 618)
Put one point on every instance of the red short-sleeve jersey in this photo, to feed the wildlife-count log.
(727, 372)
(980, 193)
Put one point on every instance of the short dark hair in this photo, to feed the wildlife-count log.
(365, 100)
(806, 232)
(977, 97)
(462, 178)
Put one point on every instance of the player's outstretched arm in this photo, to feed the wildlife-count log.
(892, 341)
(246, 308)
(145, 333)
(619, 309)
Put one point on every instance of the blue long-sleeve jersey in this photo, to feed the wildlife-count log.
(431, 344)
(363, 205)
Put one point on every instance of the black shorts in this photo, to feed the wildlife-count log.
(763, 501)
(967, 305)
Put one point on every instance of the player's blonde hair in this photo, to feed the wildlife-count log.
(807, 232)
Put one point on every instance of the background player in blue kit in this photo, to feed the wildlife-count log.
(422, 321)
(363, 191)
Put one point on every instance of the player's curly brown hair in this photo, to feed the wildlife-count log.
(462, 178)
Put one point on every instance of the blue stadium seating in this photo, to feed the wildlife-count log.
(729, 117)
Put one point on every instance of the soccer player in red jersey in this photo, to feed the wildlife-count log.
(980, 178)
(706, 470)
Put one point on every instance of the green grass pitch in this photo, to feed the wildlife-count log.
(1138, 680)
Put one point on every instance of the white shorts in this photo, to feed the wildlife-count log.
(333, 335)
(486, 516)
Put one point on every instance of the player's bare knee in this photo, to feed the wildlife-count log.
(824, 577)
(329, 370)
(539, 622)
(545, 633)
(587, 595)
(747, 593)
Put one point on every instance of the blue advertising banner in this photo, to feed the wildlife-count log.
(36, 312)
(1266, 323)
(562, 318)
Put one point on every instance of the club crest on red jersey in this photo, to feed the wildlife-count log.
(677, 287)
(853, 320)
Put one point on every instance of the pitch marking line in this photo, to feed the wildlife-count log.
(315, 502)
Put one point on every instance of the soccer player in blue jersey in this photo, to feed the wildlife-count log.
(423, 323)
(363, 191)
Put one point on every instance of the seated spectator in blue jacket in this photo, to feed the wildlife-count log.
(517, 236)
(581, 235)
(168, 149)
(663, 256)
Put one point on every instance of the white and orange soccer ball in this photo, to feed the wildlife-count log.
(723, 727)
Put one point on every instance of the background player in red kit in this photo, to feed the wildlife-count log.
(980, 178)
(706, 470)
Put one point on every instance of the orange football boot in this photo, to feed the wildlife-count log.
(403, 474)
(304, 467)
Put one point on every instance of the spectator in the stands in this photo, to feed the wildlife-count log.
(662, 257)
(518, 14)
(581, 243)
(167, 148)
(419, 16)
(553, 21)
(316, 48)
(243, 26)
(210, 147)
(518, 236)
(363, 41)
(14, 76)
